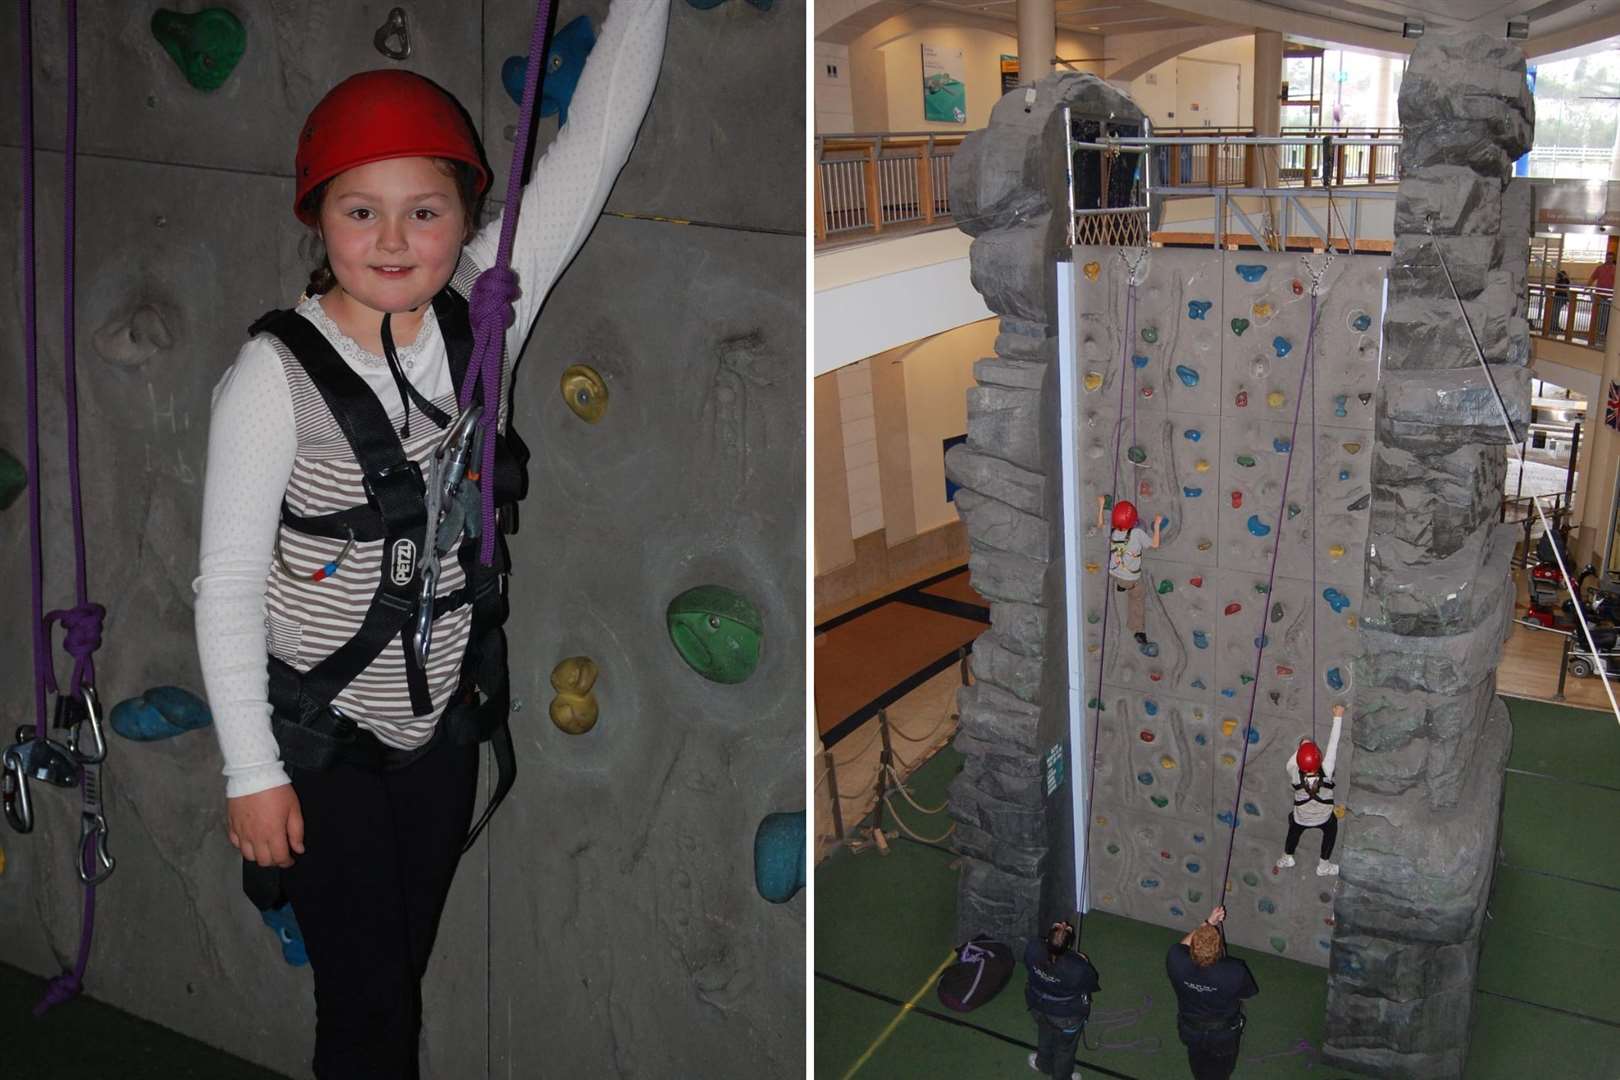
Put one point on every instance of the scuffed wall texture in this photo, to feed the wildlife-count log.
(1431, 737)
(609, 925)
(1211, 369)
(1015, 837)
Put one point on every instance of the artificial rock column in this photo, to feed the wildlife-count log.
(1431, 737)
(1008, 192)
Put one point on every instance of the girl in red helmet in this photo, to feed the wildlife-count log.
(1126, 543)
(390, 180)
(1311, 775)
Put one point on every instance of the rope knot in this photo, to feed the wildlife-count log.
(83, 626)
(490, 306)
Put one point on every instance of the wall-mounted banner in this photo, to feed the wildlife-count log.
(1009, 73)
(1611, 412)
(944, 85)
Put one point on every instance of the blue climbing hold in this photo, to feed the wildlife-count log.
(1198, 838)
(1360, 321)
(1176, 912)
(1187, 375)
(1150, 883)
(1228, 692)
(1335, 680)
(1193, 868)
(1262, 641)
(1192, 434)
(1267, 906)
(1150, 706)
(1254, 734)
(779, 856)
(1150, 649)
(1338, 406)
(161, 713)
(1201, 739)
(1336, 599)
(1225, 818)
(1144, 777)
(1197, 684)
(1200, 639)
(285, 924)
(1192, 492)
(1249, 272)
(1281, 445)
(1282, 345)
(1251, 809)
(1197, 309)
(564, 63)
(1344, 474)
(1258, 527)
(1139, 361)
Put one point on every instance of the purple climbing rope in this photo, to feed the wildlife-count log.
(490, 306)
(1102, 652)
(82, 622)
(1271, 581)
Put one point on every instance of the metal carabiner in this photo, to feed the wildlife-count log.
(45, 759)
(19, 807)
(90, 712)
(93, 830)
(395, 27)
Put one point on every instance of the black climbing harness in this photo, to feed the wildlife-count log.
(409, 514)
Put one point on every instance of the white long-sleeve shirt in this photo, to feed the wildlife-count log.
(1309, 811)
(252, 439)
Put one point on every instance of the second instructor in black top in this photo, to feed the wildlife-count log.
(1210, 987)
(1058, 991)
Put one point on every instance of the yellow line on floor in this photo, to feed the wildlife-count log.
(899, 1016)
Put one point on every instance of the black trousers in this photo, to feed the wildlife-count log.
(1212, 1065)
(1212, 1055)
(1330, 833)
(380, 851)
(1055, 1040)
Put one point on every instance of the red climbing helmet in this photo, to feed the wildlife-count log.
(1309, 758)
(375, 116)
(1124, 515)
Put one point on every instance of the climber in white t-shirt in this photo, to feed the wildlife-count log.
(1312, 778)
(1126, 543)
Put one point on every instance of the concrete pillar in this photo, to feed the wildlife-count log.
(1268, 59)
(1037, 40)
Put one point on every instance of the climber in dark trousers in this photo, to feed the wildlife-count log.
(1210, 987)
(1058, 992)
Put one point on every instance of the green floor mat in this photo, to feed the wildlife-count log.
(1572, 744)
(1542, 829)
(1512, 1041)
(87, 1040)
(1565, 909)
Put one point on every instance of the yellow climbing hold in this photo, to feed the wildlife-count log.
(1201, 465)
(1339, 811)
(1228, 726)
(1091, 648)
(1228, 760)
(1092, 568)
(1262, 310)
(1276, 398)
(1101, 820)
(1352, 447)
(1350, 621)
(585, 392)
(1337, 551)
(1167, 762)
(574, 709)
(1093, 380)
(1205, 545)
(1090, 270)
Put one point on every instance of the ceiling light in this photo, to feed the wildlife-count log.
(1412, 28)
(1518, 29)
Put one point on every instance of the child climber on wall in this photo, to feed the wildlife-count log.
(368, 827)
(1312, 778)
(1126, 543)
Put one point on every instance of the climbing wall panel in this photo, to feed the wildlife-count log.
(1201, 390)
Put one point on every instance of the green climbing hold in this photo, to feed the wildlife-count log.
(779, 856)
(1246, 460)
(1113, 849)
(1150, 335)
(1195, 895)
(1245, 679)
(1262, 588)
(1136, 454)
(1166, 587)
(717, 631)
(207, 45)
(1251, 879)
(1293, 511)
(1239, 325)
(1095, 703)
(13, 479)
(1279, 943)
(1160, 801)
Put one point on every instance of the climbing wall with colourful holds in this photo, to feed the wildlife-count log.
(1192, 388)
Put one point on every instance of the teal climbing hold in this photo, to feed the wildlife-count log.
(1344, 474)
(1293, 511)
(285, 924)
(779, 856)
(1262, 588)
(1166, 586)
(1200, 639)
(1251, 809)
(1338, 405)
(1150, 334)
(13, 479)
(207, 46)
(1258, 527)
(1335, 680)
(1197, 309)
(565, 60)
(1282, 345)
(1187, 375)
(1360, 321)
(1136, 455)
(1336, 599)
(1250, 272)
(161, 713)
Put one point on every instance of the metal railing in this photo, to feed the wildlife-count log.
(1577, 314)
(1311, 157)
(867, 182)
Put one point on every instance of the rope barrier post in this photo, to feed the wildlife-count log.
(962, 663)
(832, 795)
(1563, 666)
(885, 763)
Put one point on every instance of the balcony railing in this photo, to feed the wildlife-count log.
(1577, 314)
(1298, 165)
(866, 183)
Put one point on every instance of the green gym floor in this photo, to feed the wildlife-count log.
(1547, 1002)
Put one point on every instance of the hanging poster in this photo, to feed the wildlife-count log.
(1611, 411)
(1009, 73)
(944, 85)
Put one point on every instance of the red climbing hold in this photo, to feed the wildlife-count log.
(1284, 671)
(1147, 736)
(1237, 500)
(1145, 489)
(1147, 391)
(1233, 608)
(1155, 676)
(1197, 582)
(1242, 401)
(1164, 854)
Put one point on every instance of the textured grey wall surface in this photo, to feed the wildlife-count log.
(1211, 369)
(609, 925)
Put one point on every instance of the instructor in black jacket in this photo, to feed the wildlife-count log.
(1210, 987)
(1058, 992)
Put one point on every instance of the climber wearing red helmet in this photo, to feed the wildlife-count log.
(1311, 776)
(352, 683)
(1126, 543)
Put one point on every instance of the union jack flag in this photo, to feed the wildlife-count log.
(1611, 414)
